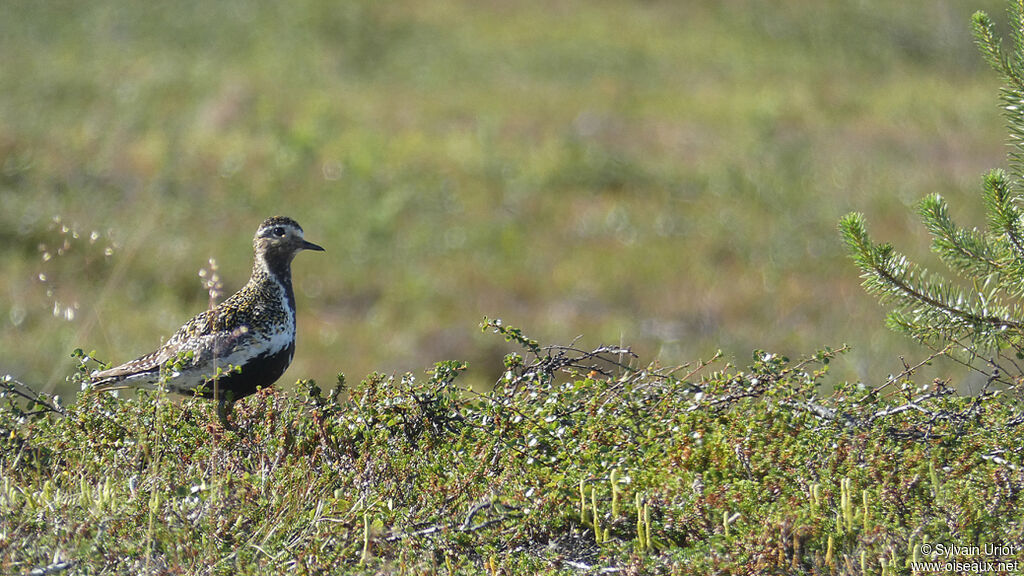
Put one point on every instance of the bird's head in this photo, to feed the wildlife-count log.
(279, 239)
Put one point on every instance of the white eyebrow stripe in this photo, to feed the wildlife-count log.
(269, 230)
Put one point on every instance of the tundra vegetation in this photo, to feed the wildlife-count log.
(575, 459)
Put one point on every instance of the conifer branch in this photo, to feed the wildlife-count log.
(1004, 214)
(940, 309)
(968, 318)
(968, 251)
(991, 48)
(988, 43)
(987, 311)
(1010, 69)
(1016, 13)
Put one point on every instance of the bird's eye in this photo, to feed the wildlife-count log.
(279, 232)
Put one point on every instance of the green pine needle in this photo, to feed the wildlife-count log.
(982, 308)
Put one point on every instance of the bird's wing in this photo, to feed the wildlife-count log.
(206, 336)
(149, 365)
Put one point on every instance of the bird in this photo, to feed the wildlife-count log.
(231, 350)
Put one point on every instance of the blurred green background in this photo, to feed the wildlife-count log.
(663, 174)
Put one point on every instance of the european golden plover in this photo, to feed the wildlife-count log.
(243, 344)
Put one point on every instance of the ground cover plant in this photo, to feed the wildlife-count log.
(576, 460)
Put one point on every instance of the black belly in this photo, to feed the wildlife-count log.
(260, 372)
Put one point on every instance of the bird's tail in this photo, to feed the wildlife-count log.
(137, 381)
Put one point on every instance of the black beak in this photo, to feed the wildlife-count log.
(310, 246)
